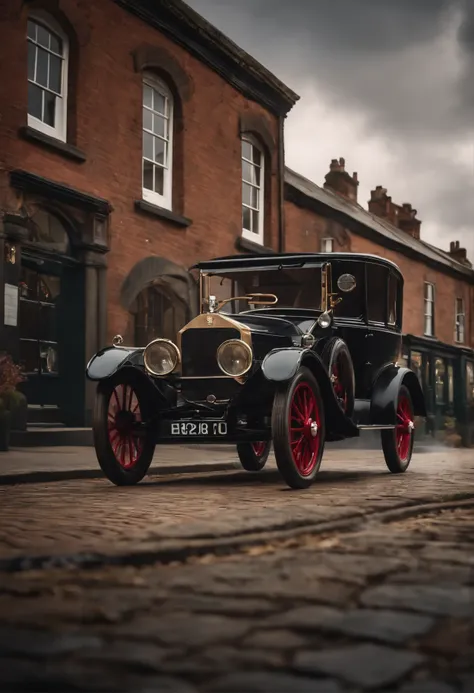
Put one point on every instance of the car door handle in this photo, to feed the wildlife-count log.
(369, 334)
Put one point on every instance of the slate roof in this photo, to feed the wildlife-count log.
(188, 28)
(388, 234)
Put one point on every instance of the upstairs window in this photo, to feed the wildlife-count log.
(253, 171)
(460, 318)
(327, 245)
(429, 309)
(47, 78)
(157, 143)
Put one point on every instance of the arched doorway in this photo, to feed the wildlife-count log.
(159, 313)
(160, 298)
(50, 310)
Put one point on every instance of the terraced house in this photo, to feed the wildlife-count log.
(135, 140)
(438, 310)
(127, 129)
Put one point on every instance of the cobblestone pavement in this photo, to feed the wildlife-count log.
(388, 607)
(94, 517)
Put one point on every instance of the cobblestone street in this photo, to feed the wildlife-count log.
(230, 583)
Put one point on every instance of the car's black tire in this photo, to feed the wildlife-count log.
(397, 443)
(253, 456)
(337, 359)
(123, 456)
(299, 449)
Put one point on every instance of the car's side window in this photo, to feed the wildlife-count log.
(393, 300)
(352, 304)
(377, 277)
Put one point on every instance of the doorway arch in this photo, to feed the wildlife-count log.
(51, 314)
(161, 297)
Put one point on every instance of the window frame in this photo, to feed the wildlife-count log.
(459, 326)
(327, 240)
(164, 200)
(426, 301)
(59, 131)
(248, 235)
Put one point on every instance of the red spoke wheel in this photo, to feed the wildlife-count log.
(337, 359)
(298, 429)
(397, 444)
(253, 456)
(123, 450)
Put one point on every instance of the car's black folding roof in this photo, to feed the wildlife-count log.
(243, 262)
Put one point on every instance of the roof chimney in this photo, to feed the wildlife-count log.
(340, 181)
(403, 217)
(407, 220)
(458, 253)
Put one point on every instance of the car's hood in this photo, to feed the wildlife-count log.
(265, 324)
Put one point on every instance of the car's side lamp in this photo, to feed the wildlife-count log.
(324, 320)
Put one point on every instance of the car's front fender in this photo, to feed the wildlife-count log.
(107, 361)
(281, 365)
(383, 406)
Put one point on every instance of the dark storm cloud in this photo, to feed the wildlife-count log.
(402, 68)
(371, 54)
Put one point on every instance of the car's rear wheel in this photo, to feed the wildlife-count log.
(337, 359)
(397, 444)
(123, 453)
(253, 456)
(298, 429)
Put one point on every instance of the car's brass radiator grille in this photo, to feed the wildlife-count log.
(199, 347)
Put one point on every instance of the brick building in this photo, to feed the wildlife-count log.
(126, 129)
(128, 154)
(438, 310)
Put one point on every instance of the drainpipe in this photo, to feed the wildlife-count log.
(281, 183)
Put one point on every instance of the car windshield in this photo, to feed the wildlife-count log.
(294, 287)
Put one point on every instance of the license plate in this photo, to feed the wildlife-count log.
(199, 428)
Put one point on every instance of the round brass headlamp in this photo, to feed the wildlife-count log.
(234, 357)
(161, 357)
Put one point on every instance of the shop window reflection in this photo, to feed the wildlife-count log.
(416, 364)
(450, 383)
(470, 383)
(440, 379)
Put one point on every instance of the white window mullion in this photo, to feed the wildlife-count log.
(429, 309)
(253, 183)
(38, 114)
(157, 109)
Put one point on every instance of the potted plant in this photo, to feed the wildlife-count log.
(12, 402)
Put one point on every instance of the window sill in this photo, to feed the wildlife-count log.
(243, 244)
(68, 150)
(162, 213)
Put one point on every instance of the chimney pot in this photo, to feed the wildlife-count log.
(340, 181)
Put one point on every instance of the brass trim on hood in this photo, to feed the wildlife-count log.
(210, 321)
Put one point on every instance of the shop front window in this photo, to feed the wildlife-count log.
(450, 383)
(470, 382)
(416, 364)
(440, 379)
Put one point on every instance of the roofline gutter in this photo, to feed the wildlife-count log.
(300, 199)
(281, 184)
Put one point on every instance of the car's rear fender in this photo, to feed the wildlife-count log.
(108, 361)
(383, 406)
(281, 365)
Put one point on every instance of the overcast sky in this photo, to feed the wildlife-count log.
(386, 84)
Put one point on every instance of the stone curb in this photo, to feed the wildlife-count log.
(181, 550)
(50, 476)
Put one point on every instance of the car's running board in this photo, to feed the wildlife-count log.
(374, 427)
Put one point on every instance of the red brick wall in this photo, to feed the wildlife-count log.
(304, 231)
(108, 119)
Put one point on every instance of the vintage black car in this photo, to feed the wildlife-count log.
(289, 349)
